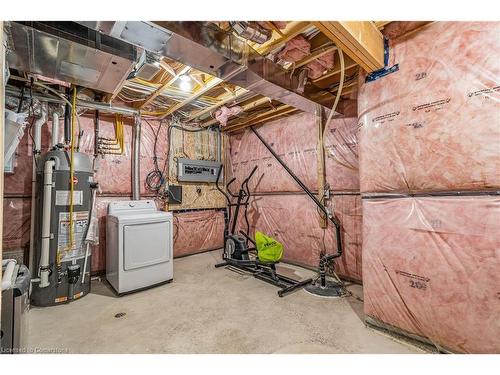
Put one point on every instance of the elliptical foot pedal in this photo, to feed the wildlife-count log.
(330, 289)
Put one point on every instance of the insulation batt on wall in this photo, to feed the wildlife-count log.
(198, 231)
(430, 264)
(288, 214)
(433, 124)
(293, 220)
(294, 138)
(16, 227)
(430, 268)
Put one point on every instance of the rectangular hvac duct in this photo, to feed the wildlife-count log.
(70, 52)
(204, 46)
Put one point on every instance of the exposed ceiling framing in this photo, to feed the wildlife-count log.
(165, 95)
(361, 40)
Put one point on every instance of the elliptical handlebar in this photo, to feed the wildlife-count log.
(229, 194)
(229, 190)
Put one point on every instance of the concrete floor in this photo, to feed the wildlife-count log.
(208, 310)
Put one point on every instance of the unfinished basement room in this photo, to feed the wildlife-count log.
(303, 188)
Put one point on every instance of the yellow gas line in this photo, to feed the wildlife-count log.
(69, 247)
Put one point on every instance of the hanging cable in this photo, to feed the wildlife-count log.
(339, 91)
(155, 178)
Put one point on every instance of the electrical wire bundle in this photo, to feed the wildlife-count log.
(156, 178)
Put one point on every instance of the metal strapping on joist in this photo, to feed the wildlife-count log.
(385, 70)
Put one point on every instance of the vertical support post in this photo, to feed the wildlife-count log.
(320, 122)
(136, 144)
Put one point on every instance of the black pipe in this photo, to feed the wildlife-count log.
(96, 133)
(67, 119)
(21, 99)
(332, 218)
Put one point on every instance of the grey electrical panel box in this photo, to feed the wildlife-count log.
(190, 170)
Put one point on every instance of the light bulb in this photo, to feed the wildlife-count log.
(185, 86)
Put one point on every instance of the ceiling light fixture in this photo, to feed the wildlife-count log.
(185, 85)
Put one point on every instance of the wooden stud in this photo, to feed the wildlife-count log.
(361, 40)
(320, 148)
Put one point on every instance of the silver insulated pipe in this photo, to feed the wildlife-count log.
(251, 32)
(136, 144)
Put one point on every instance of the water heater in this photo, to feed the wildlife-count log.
(59, 263)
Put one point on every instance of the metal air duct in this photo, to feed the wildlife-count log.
(206, 47)
(253, 33)
(70, 52)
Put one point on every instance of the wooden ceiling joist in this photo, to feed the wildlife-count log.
(287, 34)
(160, 89)
(348, 64)
(280, 111)
(313, 56)
(360, 40)
(208, 86)
(223, 100)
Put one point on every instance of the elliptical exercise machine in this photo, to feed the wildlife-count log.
(236, 251)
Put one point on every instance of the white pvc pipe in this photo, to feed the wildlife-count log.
(55, 129)
(37, 135)
(47, 207)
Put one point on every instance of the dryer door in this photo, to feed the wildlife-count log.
(146, 244)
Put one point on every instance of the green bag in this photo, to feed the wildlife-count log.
(268, 249)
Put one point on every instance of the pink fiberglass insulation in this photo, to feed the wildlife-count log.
(430, 268)
(396, 29)
(293, 220)
(341, 146)
(434, 124)
(279, 24)
(193, 232)
(198, 231)
(295, 49)
(16, 223)
(294, 138)
(114, 173)
(318, 66)
(224, 113)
